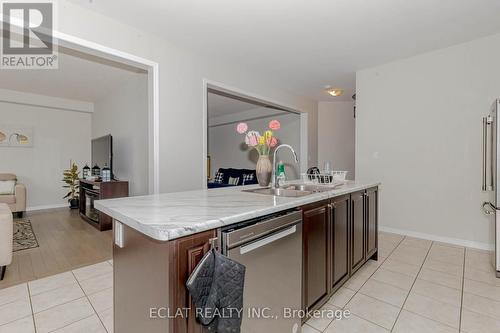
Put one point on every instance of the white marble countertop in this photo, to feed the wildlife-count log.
(169, 216)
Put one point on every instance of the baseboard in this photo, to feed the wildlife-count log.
(449, 240)
(34, 208)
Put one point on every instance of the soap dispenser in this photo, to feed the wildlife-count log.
(281, 177)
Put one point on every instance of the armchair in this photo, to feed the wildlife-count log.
(6, 234)
(16, 201)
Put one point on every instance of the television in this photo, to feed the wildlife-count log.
(102, 152)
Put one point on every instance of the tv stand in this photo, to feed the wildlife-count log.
(93, 190)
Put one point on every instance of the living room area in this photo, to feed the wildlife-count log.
(234, 118)
(68, 137)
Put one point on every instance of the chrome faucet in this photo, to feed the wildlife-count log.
(274, 175)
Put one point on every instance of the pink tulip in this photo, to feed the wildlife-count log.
(252, 138)
(272, 142)
(253, 141)
(242, 128)
(274, 125)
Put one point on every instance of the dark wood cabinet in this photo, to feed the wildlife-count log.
(316, 254)
(186, 253)
(339, 236)
(357, 230)
(91, 191)
(340, 222)
(371, 216)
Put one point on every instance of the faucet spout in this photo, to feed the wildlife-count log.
(274, 175)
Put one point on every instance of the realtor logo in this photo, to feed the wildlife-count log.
(27, 40)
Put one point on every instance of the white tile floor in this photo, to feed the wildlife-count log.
(71, 302)
(416, 286)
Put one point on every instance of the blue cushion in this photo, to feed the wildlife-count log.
(237, 173)
(216, 185)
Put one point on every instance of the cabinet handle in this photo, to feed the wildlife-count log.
(485, 124)
(213, 243)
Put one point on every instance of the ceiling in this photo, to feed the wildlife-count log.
(308, 44)
(224, 105)
(221, 105)
(79, 77)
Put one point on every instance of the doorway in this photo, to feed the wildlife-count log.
(225, 148)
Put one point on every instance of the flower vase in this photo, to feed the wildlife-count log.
(264, 170)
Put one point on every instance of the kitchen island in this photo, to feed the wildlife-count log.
(159, 239)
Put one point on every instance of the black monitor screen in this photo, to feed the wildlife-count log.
(102, 152)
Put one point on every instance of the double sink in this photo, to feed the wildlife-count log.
(294, 190)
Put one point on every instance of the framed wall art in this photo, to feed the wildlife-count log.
(16, 136)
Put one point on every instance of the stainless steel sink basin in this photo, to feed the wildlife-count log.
(311, 188)
(280, 192)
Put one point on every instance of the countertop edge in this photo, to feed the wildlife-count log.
(182, 231)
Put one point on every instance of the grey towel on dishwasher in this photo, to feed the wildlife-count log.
(216, 287)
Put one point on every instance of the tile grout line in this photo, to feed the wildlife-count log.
(315, 330)
(13, 321)
(49, 290)
(31, 305)
(76, 299)
(357, 291)
(462, 298)
(77, 282)
(433, 320)
(379, 266)
(409, 292)
(87, 298)
(57, 329)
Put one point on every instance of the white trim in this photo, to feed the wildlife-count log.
(304, 141)
(88, 47)
(44, 207)
(22, 98)
(449, 240)
(204, 118)
(154, 127)
(304, 157)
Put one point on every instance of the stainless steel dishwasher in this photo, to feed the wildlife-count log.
(271, 250)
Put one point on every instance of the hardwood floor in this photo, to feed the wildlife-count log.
(65, 242)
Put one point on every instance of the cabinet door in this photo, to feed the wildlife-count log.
(357, 230)
(371, 205)
(186, 254)
(315, 254)
(340, 238)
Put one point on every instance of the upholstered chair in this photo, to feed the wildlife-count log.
(6, 231)
(16, 201)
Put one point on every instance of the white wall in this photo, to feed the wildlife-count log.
(181, 91)
(336, 136)
(59, 136)
(418, 131)
(124, 115)
(227, 148)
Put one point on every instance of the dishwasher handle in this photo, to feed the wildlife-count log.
(268, 240)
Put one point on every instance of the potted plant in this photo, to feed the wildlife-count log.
(71, 179)
(263, 144)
